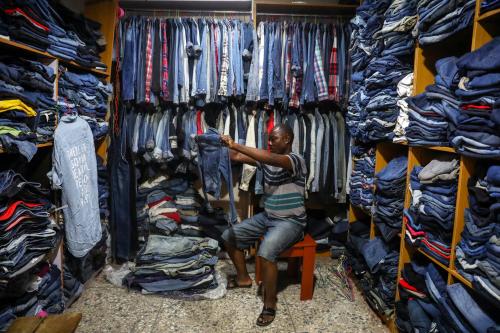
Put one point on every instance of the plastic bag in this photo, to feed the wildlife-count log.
(116, 275)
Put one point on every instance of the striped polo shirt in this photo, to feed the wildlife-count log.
(284, 190)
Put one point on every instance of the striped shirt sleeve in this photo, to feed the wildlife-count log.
(299, 168)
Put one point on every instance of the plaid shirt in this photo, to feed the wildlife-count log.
(333, 71)
(319, 75)
(164, 60)
(149, 63)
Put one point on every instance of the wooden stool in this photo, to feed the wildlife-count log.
(305, 249)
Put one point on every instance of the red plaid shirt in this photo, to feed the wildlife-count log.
(149, 64)
(333, 71)
(164, 60)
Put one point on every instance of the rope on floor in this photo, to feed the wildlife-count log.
(336, 277)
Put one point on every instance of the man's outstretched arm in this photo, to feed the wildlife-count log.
(250, 155)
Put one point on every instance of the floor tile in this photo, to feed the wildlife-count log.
(112, 309)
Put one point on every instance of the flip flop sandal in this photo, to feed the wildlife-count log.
(266, 312)
(232, 283)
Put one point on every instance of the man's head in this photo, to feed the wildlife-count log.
(280, 139)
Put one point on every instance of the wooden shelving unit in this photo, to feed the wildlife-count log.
(485, 28)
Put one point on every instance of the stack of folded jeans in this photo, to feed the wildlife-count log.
(405, 90)
(438, 19)
(432, 113)
(478, 121)
(381, 264)
(361, 185)
(429, 221)
(28, 235)
(389, 197)
(400, 19)
(103, 188)
(26, 90)
(47, 122)
(429, 305)
(478, 255)
(53, 27)
(85, 95)
(169, 264)
(487, 5)
(380, 43)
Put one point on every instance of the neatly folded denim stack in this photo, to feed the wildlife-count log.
(478, 253)
(361, 185)
(487, 5)
(429, 221)
(389, 197)
(380, 43)
(168, 264)
(85, 95)
(439, 19)
(429, 305)
(405, 90)
(53, 27)
(431, 111)
(47, 122)
(478, 121)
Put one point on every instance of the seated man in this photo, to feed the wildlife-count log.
(281, 224)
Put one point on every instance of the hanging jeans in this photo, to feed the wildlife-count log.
(213, 160)
(123, 223)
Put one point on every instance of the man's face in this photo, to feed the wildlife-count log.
(278, 141)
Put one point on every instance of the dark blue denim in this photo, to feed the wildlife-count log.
(213, 161)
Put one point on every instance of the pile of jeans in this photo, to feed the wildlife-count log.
(477, 123)
(381, 43)
(86, 96)
(405, 90)
(361, 184)
(28, 235)
(429, 221)
(389, 197)
(487, 5)
(225, 58)
(428, 304)
(375, 263)
(437, 19)
(54, 28)
(103, 188)
(26, 106)
(477, 253)
(167, 264)
(156, 209)
(432, 112)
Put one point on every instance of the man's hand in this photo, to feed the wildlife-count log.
(226, 140)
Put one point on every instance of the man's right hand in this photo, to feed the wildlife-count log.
(227, 141)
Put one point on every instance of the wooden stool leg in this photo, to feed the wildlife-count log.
(307, 283)
(258, 277)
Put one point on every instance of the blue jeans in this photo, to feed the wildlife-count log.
(278, 235)
(213, 160)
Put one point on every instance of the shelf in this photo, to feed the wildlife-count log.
(459, 277)
(309, 8)
(40, 145)
(433, 260)
(489, 15)
(437, 148)
(16, 45)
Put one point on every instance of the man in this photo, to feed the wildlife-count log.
(281, 224)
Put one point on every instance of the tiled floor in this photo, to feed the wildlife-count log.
(107, 308)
